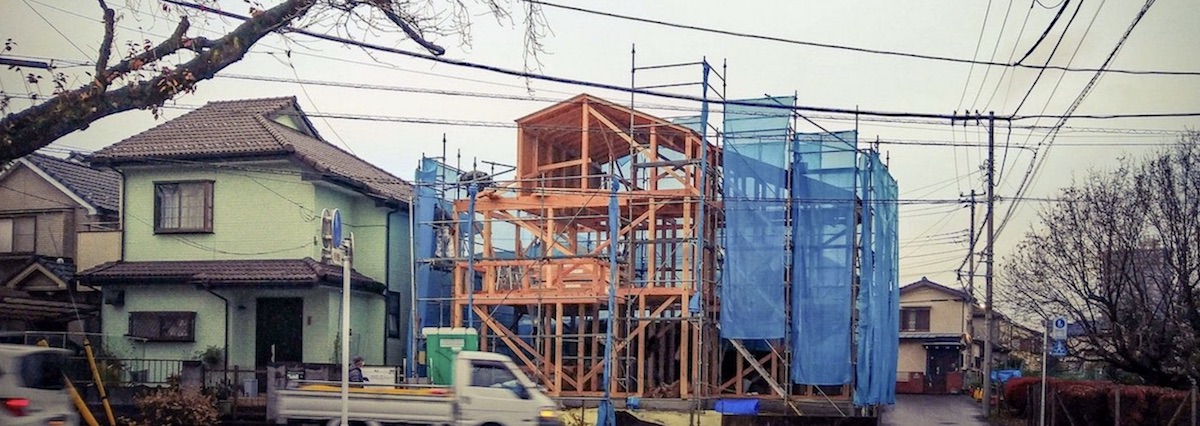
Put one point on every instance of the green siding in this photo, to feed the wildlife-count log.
(320, 319)
(256, 215)
(210, 320)
(264, 210)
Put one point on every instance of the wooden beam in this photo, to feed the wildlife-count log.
(558, 343)
(620, 345)
(737, 344)
(631, 141)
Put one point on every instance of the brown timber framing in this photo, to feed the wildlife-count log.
(541, 252)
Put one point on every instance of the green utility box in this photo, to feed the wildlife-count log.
(442, 344)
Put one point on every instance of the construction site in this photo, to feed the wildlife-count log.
(675, 262)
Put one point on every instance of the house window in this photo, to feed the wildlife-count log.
(163, 326)
(183, 207)
(914, 319)
(18, 234)
(393, 314)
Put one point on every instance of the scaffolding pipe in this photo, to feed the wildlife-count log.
(606, 416)
(698, 255)
(472, 191)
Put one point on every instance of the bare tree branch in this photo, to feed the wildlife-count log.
(110, 21)
(145, 84)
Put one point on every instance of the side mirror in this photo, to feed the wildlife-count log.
(521, 391)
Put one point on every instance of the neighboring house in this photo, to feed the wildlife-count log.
(1015, 347)
(224, 244)
(56, 217)
(933, 338)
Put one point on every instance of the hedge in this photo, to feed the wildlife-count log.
(1092, 402)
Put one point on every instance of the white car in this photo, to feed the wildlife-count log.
(32, 391)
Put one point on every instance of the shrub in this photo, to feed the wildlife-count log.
(1092, 402)
(173, 406)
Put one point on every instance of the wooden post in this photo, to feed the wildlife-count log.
(641, 350)
(1117, 417)
(558, 344)
(1193, 403)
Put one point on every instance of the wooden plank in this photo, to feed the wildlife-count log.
(737, 344)
(641, 350)
(685, 367)
(620, 345)
(633, 143)
(585, 146)
(514, 343)
(580, 325)
(558, 343)
(560, 165)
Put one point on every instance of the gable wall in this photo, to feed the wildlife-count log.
(22, 192)
(947, 313)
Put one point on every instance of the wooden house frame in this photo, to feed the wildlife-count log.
(540, 246)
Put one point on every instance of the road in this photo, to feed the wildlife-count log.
(914, 410)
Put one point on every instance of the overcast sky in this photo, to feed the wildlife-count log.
(594, 48)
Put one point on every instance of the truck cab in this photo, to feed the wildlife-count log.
(492, 390)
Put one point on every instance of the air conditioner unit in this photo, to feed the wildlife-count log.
(114, 298)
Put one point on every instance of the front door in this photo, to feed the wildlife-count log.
(941, 361)
(279, 330)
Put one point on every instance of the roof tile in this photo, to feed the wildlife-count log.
(226, 273)
(98, 186)
(247, 128)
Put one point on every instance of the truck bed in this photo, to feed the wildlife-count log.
(384, 404)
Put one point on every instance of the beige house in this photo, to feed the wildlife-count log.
(57, 216)
(934, 336)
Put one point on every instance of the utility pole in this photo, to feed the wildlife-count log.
(971, 279)
(971, 253)
(991, 260)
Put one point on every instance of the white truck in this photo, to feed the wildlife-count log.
(488, 390)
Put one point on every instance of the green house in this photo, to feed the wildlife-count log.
(223, 244)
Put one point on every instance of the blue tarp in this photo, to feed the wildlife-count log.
(823, 192)
(879, 291)
(743, 407)
(755, 183)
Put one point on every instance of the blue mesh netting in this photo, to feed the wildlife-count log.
(823, 189)
(879, 291)
(755, 183)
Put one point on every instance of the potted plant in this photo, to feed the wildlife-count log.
(221, 391)
(212, 357)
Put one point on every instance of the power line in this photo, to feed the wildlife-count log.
(1049, 27)
(978, 42)
(576, 82)
(996, 48)
(850, 48)
(64, 36)
(1031, 173)
(1050, 57)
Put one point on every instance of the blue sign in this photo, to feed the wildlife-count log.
(1058, 330)
(1058, 348)
(336, 224)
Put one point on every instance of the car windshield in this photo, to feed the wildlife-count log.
(42, 370)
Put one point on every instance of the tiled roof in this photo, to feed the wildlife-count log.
(246, 128)
(926, 283)
(11, 266)
(293, 272)
(98, 186)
